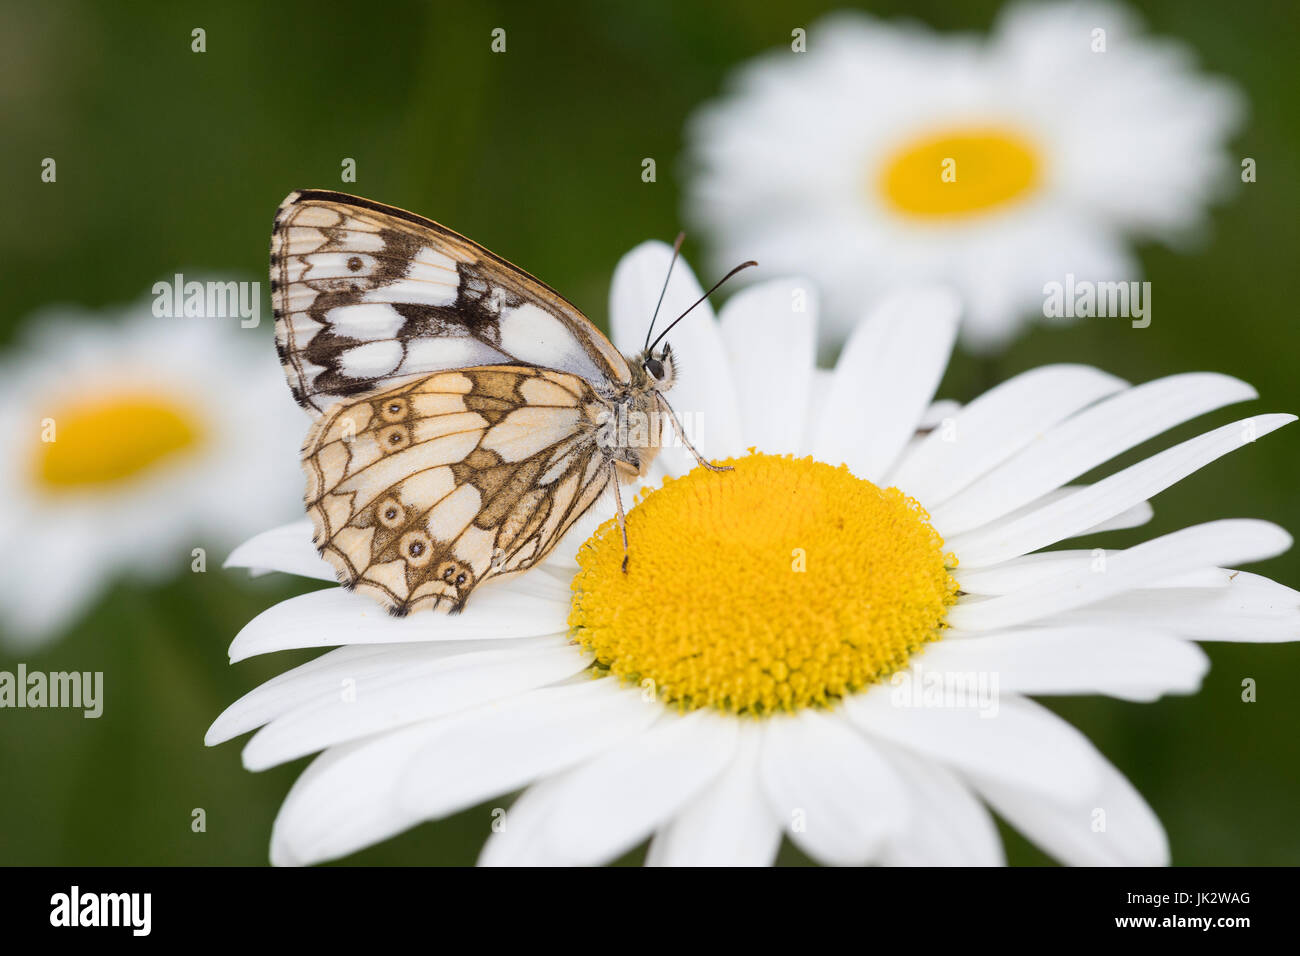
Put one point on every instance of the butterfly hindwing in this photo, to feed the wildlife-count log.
(421, 492)
(367, 296)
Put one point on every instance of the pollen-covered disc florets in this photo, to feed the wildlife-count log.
(784, 583)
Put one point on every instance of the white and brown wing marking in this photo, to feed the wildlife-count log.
(367, 296)
(421, 492)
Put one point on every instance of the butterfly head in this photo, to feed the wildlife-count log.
(658, 368)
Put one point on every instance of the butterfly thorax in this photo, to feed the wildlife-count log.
(631, 430)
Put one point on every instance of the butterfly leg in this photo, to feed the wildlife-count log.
(622, 518)
(681, 433)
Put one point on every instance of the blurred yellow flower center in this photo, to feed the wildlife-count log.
(958, 173)
(111, 438)
(783, 584)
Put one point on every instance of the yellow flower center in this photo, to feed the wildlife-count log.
(958, 173)
(111, 438)
(785, 583)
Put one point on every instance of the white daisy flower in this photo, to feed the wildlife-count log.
(890, 154)
(768, 664)
(131, 440)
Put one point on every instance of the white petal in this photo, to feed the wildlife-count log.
(338, 670)
(1108, 825)
(519, 837)
(729, 823)
(838, 798)
(771, 346)
(950, 826)
(1089, 506)
(1134, 517)
(818, 397)
(1250, 609)
(335, 616)
(1006, 737)
(884, 380)
(433, 689)
(344, 800)
(995, 426)
(1033, 569)
(287, 548)
(503, 746)
(1085, 441)
(634, 291)
(603, 808)
(1217, 542)
(938, 411)
(552, 588)
(36, 608)
(1200, 578)
(1123, 662)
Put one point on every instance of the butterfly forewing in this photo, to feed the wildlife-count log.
(367, 296)
(421, 492)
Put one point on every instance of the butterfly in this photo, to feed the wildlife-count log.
(466, 414)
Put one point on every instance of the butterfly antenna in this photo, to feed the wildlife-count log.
(716, 285)
(677, 248)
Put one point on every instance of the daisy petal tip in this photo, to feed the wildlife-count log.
(282, 856)
(226, 724)
(1240, 389)
(940, 301)
(651, 253)
(1264, 539)
(935, 303)
(1273, 421)
(243, 554)
(253, 759)
(226, 727)
(1184, 675)
(236, 653)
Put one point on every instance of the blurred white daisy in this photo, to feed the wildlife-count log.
(794, 650)
(891, 154)
(132, 439)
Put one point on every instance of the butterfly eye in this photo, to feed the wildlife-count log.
(655, 368)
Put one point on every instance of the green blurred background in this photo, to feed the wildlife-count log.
(172, 161)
